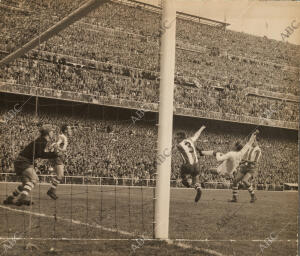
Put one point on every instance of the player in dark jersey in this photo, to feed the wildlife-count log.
(24, 167)
(190, 166)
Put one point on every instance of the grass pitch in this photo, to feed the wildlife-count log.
(116, 220)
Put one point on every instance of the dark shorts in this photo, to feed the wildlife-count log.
(25, 170)
(248, 168)
(189, 169)
(21, 164)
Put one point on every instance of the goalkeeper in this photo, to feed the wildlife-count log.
(24, 167)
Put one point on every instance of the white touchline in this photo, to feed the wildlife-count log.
(94, 225)
(133, 239)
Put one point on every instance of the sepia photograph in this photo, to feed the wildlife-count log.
(149, 127)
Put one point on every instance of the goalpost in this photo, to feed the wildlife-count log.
(165, 124)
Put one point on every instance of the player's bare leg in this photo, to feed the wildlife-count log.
(249, 186)
(59, 170)
(236, 181)
(185, 182)
(184, 177)
(196, 182)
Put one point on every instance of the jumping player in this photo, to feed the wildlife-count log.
(24, 167)
(59, 146)
(248, 169)
(190, 166)
(232, 159)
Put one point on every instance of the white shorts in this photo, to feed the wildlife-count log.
(221, 169)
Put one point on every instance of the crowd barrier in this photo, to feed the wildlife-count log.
(116, 181)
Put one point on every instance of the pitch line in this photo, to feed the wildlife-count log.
(95, 225)
(133, 239)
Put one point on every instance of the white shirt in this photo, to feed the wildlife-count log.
(62, 142)
(231, 160)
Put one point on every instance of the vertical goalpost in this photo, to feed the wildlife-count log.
(165, 123)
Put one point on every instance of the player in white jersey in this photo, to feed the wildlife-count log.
(232, 159)
(248, 169)
(59, 146)
(190, 166)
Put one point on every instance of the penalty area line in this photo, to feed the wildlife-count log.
(95, 225)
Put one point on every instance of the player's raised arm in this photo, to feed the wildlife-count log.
(249, 143)
(197, 134)
(205, 152)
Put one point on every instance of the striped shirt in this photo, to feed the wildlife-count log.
(253, 155)
(188, 151)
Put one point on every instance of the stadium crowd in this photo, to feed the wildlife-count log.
(131, 84)
(128, 17)
(121, 44)
(126, 149)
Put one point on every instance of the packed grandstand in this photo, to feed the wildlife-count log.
(113, 53)
(115, 142)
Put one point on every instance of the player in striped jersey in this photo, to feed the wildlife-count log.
(59, 146)
(248, 169)
(190, 166)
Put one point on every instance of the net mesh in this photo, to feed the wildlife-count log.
(103, 195)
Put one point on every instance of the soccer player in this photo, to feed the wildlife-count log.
(24, 167)
(190, 166)
(248, 169)
(232, 159)
(59, 146)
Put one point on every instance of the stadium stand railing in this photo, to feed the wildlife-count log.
(10, 87)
